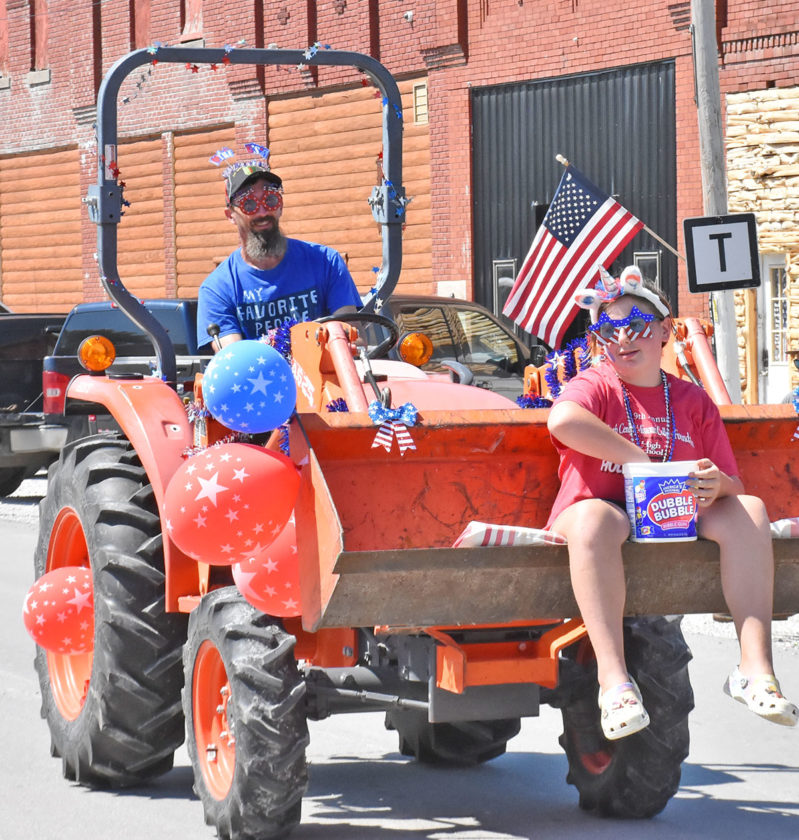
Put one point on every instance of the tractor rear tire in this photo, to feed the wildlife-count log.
(114, 713)
(636, 776)
(247, 731)
(456, 744)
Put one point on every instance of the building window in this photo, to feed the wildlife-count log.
(191, 20)
(38, 34)
(3, 38)
(420, 103)
(139, 24)
(97, 46)
(778, 315)
(648, 263)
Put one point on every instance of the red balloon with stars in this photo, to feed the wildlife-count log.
(230, 502)
(59, 610)
(270, 580)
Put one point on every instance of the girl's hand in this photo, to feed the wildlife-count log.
(705, 482)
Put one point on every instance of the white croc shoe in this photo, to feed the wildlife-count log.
(762, 695)
(623, 711)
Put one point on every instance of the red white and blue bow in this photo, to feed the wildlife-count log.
(393, 422)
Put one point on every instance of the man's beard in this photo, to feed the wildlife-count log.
(262, 244)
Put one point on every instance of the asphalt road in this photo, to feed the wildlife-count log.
(741, 779)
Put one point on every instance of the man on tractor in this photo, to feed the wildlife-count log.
(270, 279)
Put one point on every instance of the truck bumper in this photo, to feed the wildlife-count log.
(27, 439)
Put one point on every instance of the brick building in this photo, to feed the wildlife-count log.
(490, 91)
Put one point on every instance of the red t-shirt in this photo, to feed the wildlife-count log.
(700, 432)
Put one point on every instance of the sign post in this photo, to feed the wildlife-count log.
(714, 178)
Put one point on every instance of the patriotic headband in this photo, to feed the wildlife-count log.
(609, 288)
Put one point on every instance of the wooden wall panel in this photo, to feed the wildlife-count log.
(140, 234)
(325, 147)
(40, 235)
(203, 235)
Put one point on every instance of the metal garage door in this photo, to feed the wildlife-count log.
(617, 127)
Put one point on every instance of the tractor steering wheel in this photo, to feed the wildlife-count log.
(370, 318)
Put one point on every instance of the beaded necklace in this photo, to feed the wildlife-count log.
(671, 426)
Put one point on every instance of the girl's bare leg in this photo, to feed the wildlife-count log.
(739, 524)
(595, 530)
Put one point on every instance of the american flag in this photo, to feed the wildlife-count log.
(582, 229)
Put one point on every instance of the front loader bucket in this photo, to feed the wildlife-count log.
(376, 528)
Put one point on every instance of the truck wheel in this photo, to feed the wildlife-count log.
(463, 743)
(114, 713)
(244, 702)
(11, 478)
(636, 776)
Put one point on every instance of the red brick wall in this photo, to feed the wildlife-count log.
(460, 43)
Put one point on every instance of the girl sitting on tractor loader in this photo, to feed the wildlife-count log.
(627, 409)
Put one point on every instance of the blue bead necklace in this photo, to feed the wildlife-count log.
(671, 426)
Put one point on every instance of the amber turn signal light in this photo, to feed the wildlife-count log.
(96, 353)
(415, 348)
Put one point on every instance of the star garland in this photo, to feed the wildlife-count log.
(339, 404)
(560, 366)
(233, 437)
(280, 338)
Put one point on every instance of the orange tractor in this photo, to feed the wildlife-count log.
(453, 644)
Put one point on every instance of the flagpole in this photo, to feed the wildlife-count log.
(562, 160)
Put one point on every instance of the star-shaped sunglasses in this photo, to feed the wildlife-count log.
(636, 325)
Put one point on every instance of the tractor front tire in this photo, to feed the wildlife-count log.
(247, 731)
(456, 744)
(636, 776)
(114, 713)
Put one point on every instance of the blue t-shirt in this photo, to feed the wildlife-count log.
(310, 281)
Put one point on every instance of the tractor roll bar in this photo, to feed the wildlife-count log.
(104, 198)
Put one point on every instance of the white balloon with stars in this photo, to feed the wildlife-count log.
(248, 386)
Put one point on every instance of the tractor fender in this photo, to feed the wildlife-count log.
(154, 420)
(151, 415)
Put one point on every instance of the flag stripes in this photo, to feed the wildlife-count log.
(582, 229)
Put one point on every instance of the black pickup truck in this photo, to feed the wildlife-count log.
(28, 441)
(134, 356)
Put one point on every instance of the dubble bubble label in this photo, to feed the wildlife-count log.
(660, 506)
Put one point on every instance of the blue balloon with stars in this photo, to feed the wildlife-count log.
(248, 386)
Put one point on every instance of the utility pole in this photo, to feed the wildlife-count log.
(714, 176)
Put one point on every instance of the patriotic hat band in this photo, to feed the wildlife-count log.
(609, 288)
